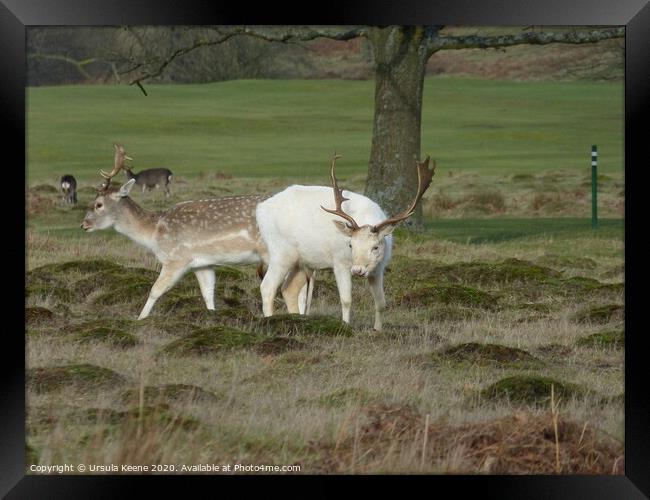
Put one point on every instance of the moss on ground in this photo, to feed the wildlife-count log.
(600, 314)
(212, 340)
(83, 376)
(296, 324)
(607, 338)
(531, 389)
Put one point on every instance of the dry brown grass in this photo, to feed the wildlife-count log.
(407, 400)
(387, 438)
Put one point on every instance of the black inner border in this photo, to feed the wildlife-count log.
(16, 15)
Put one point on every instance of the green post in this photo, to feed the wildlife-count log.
(594, 187)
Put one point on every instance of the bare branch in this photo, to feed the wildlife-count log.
(528, 37)
(155, 65)
(79, 65)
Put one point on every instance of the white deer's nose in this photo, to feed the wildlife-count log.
(358, 270)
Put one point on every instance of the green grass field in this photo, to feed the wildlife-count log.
(506, 293)
(290, 128)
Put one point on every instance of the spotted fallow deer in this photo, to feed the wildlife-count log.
(301, 234)
(192, 235)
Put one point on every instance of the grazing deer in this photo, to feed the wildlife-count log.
(192, 235)
(301, 236)
(69, 189)
(147, 179)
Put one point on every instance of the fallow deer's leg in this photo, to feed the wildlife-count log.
(207, 279)
(344, 284)
(169, 275)
(273, 278)
(376, 282)
(291, 289)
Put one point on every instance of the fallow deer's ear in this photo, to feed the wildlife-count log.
(124, 190)
(343, 227)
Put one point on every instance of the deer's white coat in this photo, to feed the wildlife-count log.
(298, 233)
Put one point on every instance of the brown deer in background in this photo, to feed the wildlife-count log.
(151, 178)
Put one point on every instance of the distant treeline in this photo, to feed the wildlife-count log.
(69, 55)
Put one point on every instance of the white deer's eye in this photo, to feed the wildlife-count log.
(350, 245)
(375, 248)
(99, 205)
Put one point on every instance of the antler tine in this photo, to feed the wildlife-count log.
(424, 180)
(338, 197)
(120, 156)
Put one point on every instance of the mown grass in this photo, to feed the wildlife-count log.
(289, 128)
(487, 308)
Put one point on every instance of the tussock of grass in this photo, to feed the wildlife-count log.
(342, 397)
(117, 338)
(278, 345)
(531, 390)
(44, 189)
(563, 262)
(451, 312)
(36, 316)
(77, 266)
(600, 314)
(473, 352)
(170, 393)
(84, 376)
(427, 295)
(212, 340)
(157, 415)
(608, 338)
(295, 324)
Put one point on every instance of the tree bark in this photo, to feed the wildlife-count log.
(400, 58)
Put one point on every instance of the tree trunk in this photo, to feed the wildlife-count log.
(400, 58)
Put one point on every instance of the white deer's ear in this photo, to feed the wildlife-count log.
(386, 230)
(343, 227)
(125, 189)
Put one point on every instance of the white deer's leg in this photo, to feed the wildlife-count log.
(273, 278)
(344, 284)
(291, 290)
(376, 282)
(168, 277)
(207, 279)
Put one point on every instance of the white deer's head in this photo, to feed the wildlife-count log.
(367, 242)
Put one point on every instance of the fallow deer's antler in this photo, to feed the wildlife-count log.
(120, 156)
(338, 197)
(424, 180)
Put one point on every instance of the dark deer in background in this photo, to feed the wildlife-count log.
(147, 179)
(69, 189)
